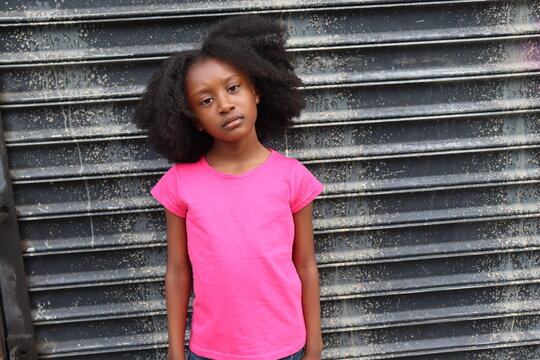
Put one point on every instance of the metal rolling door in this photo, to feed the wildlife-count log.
(422, 121)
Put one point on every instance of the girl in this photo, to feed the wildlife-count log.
(239, 215)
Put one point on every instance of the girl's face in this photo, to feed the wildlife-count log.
(222, 98)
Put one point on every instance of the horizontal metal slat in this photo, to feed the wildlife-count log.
(381, 104)
(390, 244)
(408, 318)
(136, 265)
(422, 308)
(349, 323)
(84, 275)
(426, 218)
(83, 159)
(379, 247)
(429, 346)
(428, 275)
(139, 37)
(315, 67)
(404, 157)
(134, 194)
(132, 191)
(405, 207)
(525, 352)
(92, 92)
(401, 137)
(338, 315)
(333, 249)
(415, 340)
(485, 213)
(432, 316)
(99, 304)
(103, 122)
(147, 230)
(84, 198)
(16, 12)
(145, 333)
(442, 283)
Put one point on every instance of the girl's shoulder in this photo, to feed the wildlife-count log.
(285, 160)
(185, 170)
(290, 169)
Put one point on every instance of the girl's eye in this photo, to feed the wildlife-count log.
(234, 87)
(206, 101)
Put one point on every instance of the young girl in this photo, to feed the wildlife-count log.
(239, 215)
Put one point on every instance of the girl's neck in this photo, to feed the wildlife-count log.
(236, 157)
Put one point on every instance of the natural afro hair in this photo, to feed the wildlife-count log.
(252, 44)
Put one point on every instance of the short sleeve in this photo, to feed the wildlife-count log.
(166, 191)
(305, 187)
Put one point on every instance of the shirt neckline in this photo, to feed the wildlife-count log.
(209, 168)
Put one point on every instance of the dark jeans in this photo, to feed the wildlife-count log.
(296, 356)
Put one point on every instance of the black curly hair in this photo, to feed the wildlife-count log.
(251, 43)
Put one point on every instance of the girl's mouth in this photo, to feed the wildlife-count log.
(232, 122)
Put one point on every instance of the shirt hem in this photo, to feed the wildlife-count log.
(163, 200)
(219, 356)
(308, 198)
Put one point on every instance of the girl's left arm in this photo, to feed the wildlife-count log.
(306, 266)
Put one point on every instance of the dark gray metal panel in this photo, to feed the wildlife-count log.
(16, 331)
(14, 10)
(403, 108)
(422, 122)
(406, 22)
(478, 58)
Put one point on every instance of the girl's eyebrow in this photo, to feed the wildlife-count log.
(226, 79)
(200, 92)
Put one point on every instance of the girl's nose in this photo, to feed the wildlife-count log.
(225, 105)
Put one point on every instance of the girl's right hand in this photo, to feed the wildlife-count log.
(176, 355)
(311, 356)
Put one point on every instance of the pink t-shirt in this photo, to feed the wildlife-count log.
(240, 230)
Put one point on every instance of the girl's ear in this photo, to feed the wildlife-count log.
(197, 125)
(257, 95)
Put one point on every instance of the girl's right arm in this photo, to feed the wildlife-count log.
(178, 280)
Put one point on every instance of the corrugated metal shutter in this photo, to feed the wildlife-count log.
(422, 121)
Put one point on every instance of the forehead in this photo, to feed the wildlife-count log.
(207, 71)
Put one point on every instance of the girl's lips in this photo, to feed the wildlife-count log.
(232, 122)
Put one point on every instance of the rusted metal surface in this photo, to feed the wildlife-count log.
(422, 121)
(17, 333)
